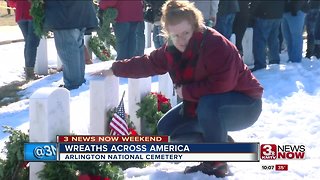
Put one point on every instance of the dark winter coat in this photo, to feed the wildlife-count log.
(314, 4)
(70, 14)
(267, 9)
(218, 68)
(156, 9)
(227, 7)
(293, 6)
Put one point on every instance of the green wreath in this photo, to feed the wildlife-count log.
(151, 108)
(37, 13)
(100, 44)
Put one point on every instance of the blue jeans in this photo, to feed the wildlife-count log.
(70, 48)
(266, 31)
(158, 40)
(224, 24)
(125, 33)
(292, 29)
(216, 115)
(317, 32)
(31, 42)
(310, 22)
(141, 39)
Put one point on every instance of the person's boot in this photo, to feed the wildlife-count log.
(30, 75)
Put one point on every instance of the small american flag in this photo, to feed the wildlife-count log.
(118, 124)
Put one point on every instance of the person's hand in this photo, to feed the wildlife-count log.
(179, 91)
(103, 73)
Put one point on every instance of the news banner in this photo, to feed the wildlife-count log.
(156, 149)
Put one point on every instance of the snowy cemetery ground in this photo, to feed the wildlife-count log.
(290, 115)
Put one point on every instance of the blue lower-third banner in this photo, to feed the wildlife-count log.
(158, 152)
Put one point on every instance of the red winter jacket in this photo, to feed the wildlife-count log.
(219, 69)
(22, 9)
(128, 10)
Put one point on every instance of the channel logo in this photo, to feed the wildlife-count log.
(273, 151)
(40, 151)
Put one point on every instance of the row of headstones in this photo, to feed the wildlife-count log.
(49, 110)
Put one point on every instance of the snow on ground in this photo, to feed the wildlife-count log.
(290, 116)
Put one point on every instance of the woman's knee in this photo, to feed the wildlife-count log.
(161, 127)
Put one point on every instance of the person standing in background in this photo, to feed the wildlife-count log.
(267, 19)
(240, 23)
(24, 20)
(209, 10)
(62, 18)
(130, 13)
(154, 16)
(227, 10)
(310, 22)
(140, 39)
(292, 28)
(316, 50)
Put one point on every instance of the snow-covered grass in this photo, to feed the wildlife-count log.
(290, 115)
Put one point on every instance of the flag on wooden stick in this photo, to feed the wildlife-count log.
(118, 124)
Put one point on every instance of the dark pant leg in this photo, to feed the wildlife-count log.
(32, 45)
(140, 39)
(170, 121)
(23, 25)
(220, 113)
(122, 32)
(31, 42)
(240, 23)
(179, 127)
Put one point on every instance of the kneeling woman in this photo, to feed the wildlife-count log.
(219, 92)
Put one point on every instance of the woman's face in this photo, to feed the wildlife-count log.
(180, 34)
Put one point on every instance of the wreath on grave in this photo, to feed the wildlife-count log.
(37, 13)
(14, 166)
(100, 43)
(151, 108)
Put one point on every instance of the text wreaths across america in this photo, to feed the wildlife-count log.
(158, 152)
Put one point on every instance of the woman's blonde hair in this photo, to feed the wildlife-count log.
(174, 12)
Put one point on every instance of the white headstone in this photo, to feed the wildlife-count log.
(166, 88)
(138, 88)
(41, 66)
(104, 95)
(49, 114)
(247, 47)
(59, 62)
(147, 32)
